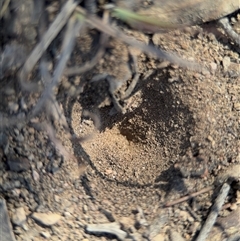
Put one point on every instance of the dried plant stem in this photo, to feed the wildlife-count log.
(48, 37)
(211, 219)
(68, 43)
(183, 199)
(224, 22)
(111, 228)
(4, 8)
(77, 70)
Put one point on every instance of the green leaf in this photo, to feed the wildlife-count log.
(142, 22)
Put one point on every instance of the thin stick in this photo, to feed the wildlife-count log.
(211, 219)
(4, 8)
(77, 70)
(183, 199)
(111, 228)
(224, 22)
(48, 37)
(133, 84)
(68, 44)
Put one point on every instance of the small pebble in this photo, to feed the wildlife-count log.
(57, 198)
(226, 62)
(35, 175)
(39, 165)
(25, 227)
(46, 234)
(19, 217)
(183, 215)
(47, 219)
(17, 164)
(175, 236)
(85, 208)
(237, 106)
(159, 237)
(234, 206)
(67, 214)
(13, 107)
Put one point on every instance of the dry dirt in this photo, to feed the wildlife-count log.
(179, 134)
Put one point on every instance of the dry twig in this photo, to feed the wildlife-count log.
(112, 228)
(224, 22)
(211, 219)
(48, 37)
(77, 70)
(183, 199)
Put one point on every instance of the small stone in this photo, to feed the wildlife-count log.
(72, 90)
(186, 236)
(11, 185)
(210, 139)
(67, 214)
(47, 219)
(19, 217)
(127, 222)
(39, 165)
(13, 107)
(25, 227)
(46, 234)
(205, 72)
(66, 203)
(213, 67)
(156, 39)
(66, 84)
(190, 219)
(159, 237)
(70, 210)
(85, 208)
(175, 236)
(35, 175)
(194, 227)
(23, 104)
(57, 198)
(24, 193)
(237, 106)
(16, 192)
(16, 132)
(20, 138)
(18, 164)
(234, 206)
(108, 171)
(31, 130)
(226, 62)
(184, 215)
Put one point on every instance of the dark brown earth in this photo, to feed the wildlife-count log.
(178, 134)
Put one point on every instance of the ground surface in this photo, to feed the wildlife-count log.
(179, 134)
